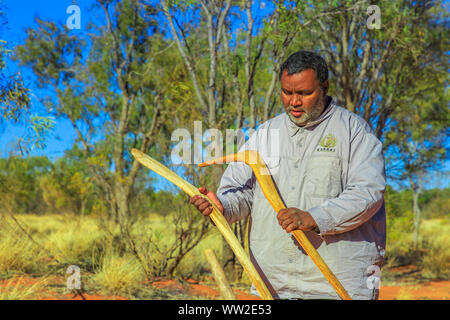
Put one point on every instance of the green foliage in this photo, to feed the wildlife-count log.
(37, 129)
(15, 103)
(434, 203)
(400, 247)
(20, 192)
(14, 96)
(37, 185)
(124, 84)
(436, 237)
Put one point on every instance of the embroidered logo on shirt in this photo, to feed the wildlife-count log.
(327, 143)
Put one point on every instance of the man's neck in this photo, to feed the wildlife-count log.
(327, 103)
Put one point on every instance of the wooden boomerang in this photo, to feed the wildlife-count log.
(216, 217)
(262, 173)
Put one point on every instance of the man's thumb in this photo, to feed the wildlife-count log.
(212, 196)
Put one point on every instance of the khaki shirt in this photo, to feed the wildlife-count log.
(334, 169)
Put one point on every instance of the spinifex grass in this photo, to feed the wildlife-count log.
(14, 289)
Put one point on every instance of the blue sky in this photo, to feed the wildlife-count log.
(20, 15)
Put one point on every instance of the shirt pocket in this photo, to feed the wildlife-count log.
(323, 177)
(273, 164)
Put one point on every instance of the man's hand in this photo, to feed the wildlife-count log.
(203, 205)
(291, 219)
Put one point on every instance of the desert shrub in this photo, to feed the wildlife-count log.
(436, 237)
(436, 262)
(18, 255)
(399, 243)
(20, 192)
(194, 265)
(438, 207)
(59, 240)
(13, 289)
(162, 245)
(118, 275)
(429, 252)
(76, 241)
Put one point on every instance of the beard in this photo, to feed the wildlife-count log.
(307, 117)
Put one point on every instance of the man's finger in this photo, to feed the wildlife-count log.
(193, 199)
(207, 211)
(283, 216)
(281, 221)
(204, 205)
(281, 213)
(285, 223)
(291, 227)
(296, 224)
(200, 201)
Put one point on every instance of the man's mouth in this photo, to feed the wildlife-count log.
(297, 113)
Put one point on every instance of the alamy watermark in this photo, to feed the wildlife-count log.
(374, 19)
(74, 20)
(208, 145)
(74, 280)
(190, 149)
(374, 279)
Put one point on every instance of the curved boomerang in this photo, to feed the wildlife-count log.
(216, 216)
(262, 173)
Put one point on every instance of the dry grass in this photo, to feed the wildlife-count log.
(63, 240)
(436, 240)
(59, 241)
(17, 255)
(119, 275)
(431, 254)
(13, 290)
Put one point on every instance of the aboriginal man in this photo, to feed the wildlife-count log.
(329, 169)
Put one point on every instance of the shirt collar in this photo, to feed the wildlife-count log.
(293, 128)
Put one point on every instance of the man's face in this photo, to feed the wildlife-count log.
(303, 96)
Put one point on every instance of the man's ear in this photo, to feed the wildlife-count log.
(325, 87)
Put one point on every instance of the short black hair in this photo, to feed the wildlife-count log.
(303, 60)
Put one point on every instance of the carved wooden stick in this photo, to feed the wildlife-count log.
(262, 174)
(219, 275)
(216, 216)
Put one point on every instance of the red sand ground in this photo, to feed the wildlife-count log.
(201, 290)
(434, 290)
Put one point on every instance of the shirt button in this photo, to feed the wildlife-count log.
(292, 188)
(296, 166)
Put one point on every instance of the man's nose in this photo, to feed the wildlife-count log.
(296, 100)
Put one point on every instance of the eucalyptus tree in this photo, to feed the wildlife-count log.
(370, 63)
(109, 81)
(15, 101)
(419, 146)
(394, 74)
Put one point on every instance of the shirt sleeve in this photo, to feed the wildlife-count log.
(236, 187)
(363, 194)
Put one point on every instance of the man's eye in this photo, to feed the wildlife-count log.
(287, 92)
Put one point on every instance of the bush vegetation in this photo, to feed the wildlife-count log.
(167, 238)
